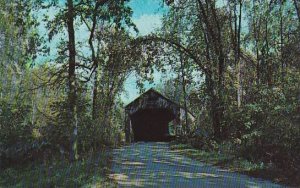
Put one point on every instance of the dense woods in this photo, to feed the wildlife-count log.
(234, 64)
(58, 104)
(248, 55)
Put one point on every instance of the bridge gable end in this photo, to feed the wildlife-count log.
(151, 99)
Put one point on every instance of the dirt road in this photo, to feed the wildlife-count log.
(155, 165)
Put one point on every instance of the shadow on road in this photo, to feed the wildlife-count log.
(155, 165)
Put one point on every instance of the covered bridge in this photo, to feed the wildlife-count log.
(147, 118)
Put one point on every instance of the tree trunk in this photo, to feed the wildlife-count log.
(296, 4)
(281, 43)
(213, 107)
(236, 40)
(257, 26)
(72, 96)
(95, 61)
(211, 26)
(187, 129)
(219, 100)
(268, 62)
(239, 89)
(95, 96)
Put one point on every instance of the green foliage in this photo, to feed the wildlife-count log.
(35, 106)
(268, 129)
(242, 85)
(88, 172)
(16, 133)
(253, 103)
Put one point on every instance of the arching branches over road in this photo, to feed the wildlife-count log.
(157, 40)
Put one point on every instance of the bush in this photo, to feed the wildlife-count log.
(267, 127)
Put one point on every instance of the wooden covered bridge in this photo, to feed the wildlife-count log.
(147, 118)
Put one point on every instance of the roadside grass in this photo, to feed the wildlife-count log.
(237, 164)
(203, 156)
(89, 172)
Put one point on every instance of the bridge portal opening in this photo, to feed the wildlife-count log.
(151, 125)
(152, 117)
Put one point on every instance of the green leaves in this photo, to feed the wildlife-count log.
(254, 107)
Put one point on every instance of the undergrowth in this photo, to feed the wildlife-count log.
(236, 163)
(88, 172)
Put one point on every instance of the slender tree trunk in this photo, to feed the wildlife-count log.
(72, 96)
(257, 26)
(239, 89)
(281, 42)
(296, 4)
(95, 61)
(236, 46)
(268, 62)
(33, 109)
(218, 102)
(95, 96)
(257, 63)
(211, 26)
(214, 105)
(212, 94)
(182, 64)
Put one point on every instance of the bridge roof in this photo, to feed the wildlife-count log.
(153, 99)
(148, 92)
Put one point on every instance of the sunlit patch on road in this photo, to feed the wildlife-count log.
(133, 163)
(155, 165)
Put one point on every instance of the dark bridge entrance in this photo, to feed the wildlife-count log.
(151, 125)
(147, 117)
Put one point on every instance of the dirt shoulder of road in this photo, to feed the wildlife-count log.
(240, 165)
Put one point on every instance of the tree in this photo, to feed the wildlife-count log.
(215, 42)
(205, 18)
(231, 44)
(117, 16)
(91, 14)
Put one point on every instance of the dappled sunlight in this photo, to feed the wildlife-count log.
(176, 151)
(251, 184)
(163, 162)
(177, 158)
(124, 181)
(198, 175)
(155, 165)
(132, 163)
(135, 154)
(225, 170)
(118, 177)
